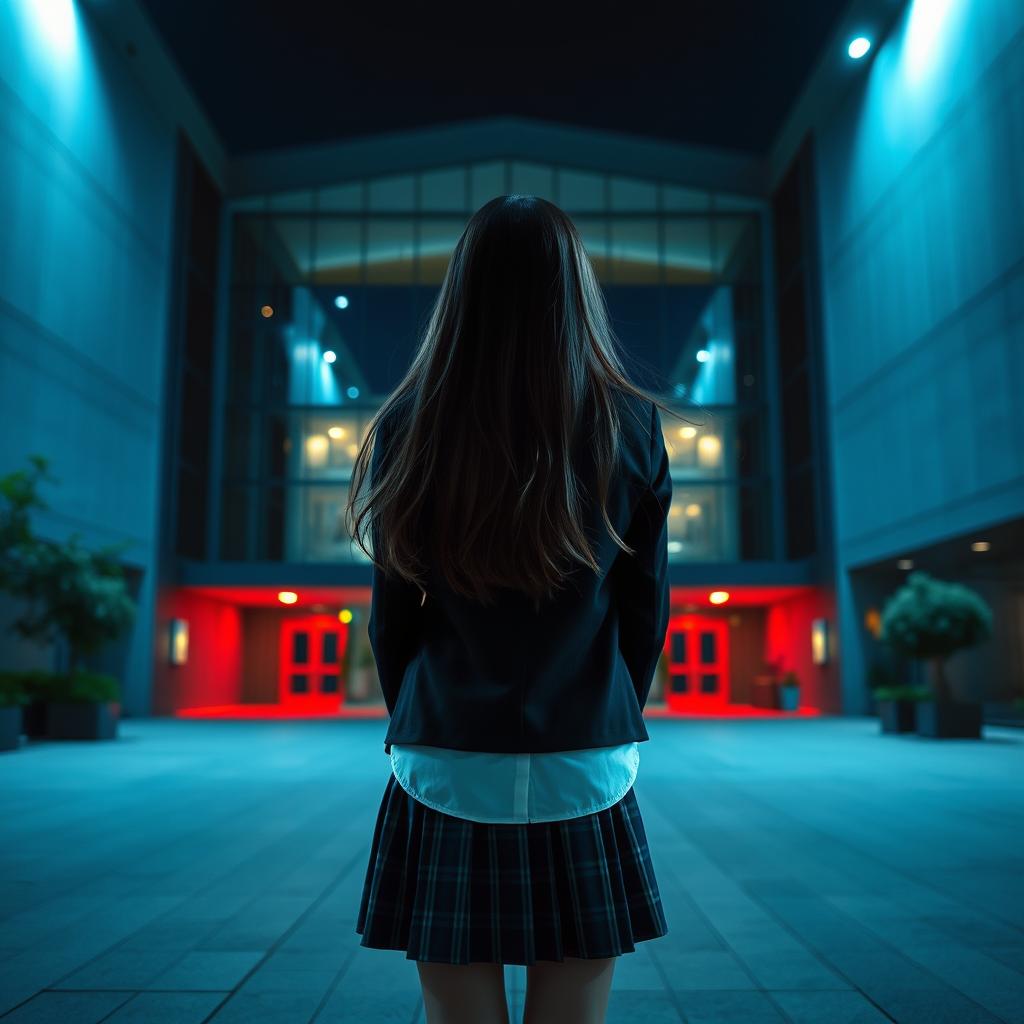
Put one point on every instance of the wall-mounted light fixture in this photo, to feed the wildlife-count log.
(819, 641)
(177, 647)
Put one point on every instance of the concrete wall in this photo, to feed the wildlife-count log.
(922, 245)
(86, 197)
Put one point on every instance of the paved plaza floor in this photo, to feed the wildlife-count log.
(813, 871)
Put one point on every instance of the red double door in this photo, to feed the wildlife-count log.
(312, 650)
(697, 649)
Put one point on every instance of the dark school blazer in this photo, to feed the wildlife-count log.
(573, 675)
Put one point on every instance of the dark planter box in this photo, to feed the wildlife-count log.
(33, 719)
(10, 727)
(81, 720)
(897, 715)
(949, 720)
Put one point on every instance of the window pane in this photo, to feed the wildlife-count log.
(487, 181)
(329, 683)
(533, 180)
(330, 647)
(678, 651)
(634, 252)
(339, 251)
(300, 647)
(581, 190)
(444, 190)
(633, 195)
(389, 258)
(687, 251)
(395, 192)
(436, 244)
(300, 683)
(709, 683)
(708, 649)
(679, 682)
(347, 197)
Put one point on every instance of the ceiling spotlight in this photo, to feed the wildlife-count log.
(980, 545)
(266, 312)
(858, 47)
(703, 355)
(329, 356)
(718, 596)
(341, 301)
(287, 597)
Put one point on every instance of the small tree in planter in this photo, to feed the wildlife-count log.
(70, 593)
(931, 620)
(79, 596)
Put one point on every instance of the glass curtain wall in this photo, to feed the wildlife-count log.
(330, 292)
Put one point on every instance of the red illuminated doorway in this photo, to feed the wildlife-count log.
(697, 649)
(312, 648)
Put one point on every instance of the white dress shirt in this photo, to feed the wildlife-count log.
(504, 788)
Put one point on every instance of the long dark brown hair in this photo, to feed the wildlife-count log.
(517, 346)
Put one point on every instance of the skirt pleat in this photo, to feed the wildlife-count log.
(450, 890)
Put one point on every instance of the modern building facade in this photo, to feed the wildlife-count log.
(838, 324)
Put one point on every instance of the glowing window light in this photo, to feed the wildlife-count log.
(353, 450)
(317, 448)
(905, 563)
(718, 596)
(980, 545)
(329, 356)
(345, 615)
(687, 432)
(858, 47)
(336, 433)
(693, 510)
(266, 312)
(703, 355)
(287, 596)
(341, 301)
(674, 510)
(709, 450)
(674, 547)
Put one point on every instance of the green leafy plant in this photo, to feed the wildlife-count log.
(930, 619)
(85, 687)
(13, 689)
(790, 679)
(67, 590)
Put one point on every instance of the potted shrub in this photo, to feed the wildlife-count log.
(930, 620)
(788, 691)
(68, 593)
(12, 696)
(897, 706)
(83, 706)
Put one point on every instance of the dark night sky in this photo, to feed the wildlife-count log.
(714, 72)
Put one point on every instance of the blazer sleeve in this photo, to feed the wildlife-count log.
(396, 613)
(642, 592)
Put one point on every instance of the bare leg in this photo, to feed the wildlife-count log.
(575, 990)
(463, 993)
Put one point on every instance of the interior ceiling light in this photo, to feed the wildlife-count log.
(858, 47)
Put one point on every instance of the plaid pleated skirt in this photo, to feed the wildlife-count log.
(451, 890)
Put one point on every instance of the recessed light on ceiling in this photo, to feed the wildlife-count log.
(858, 47)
